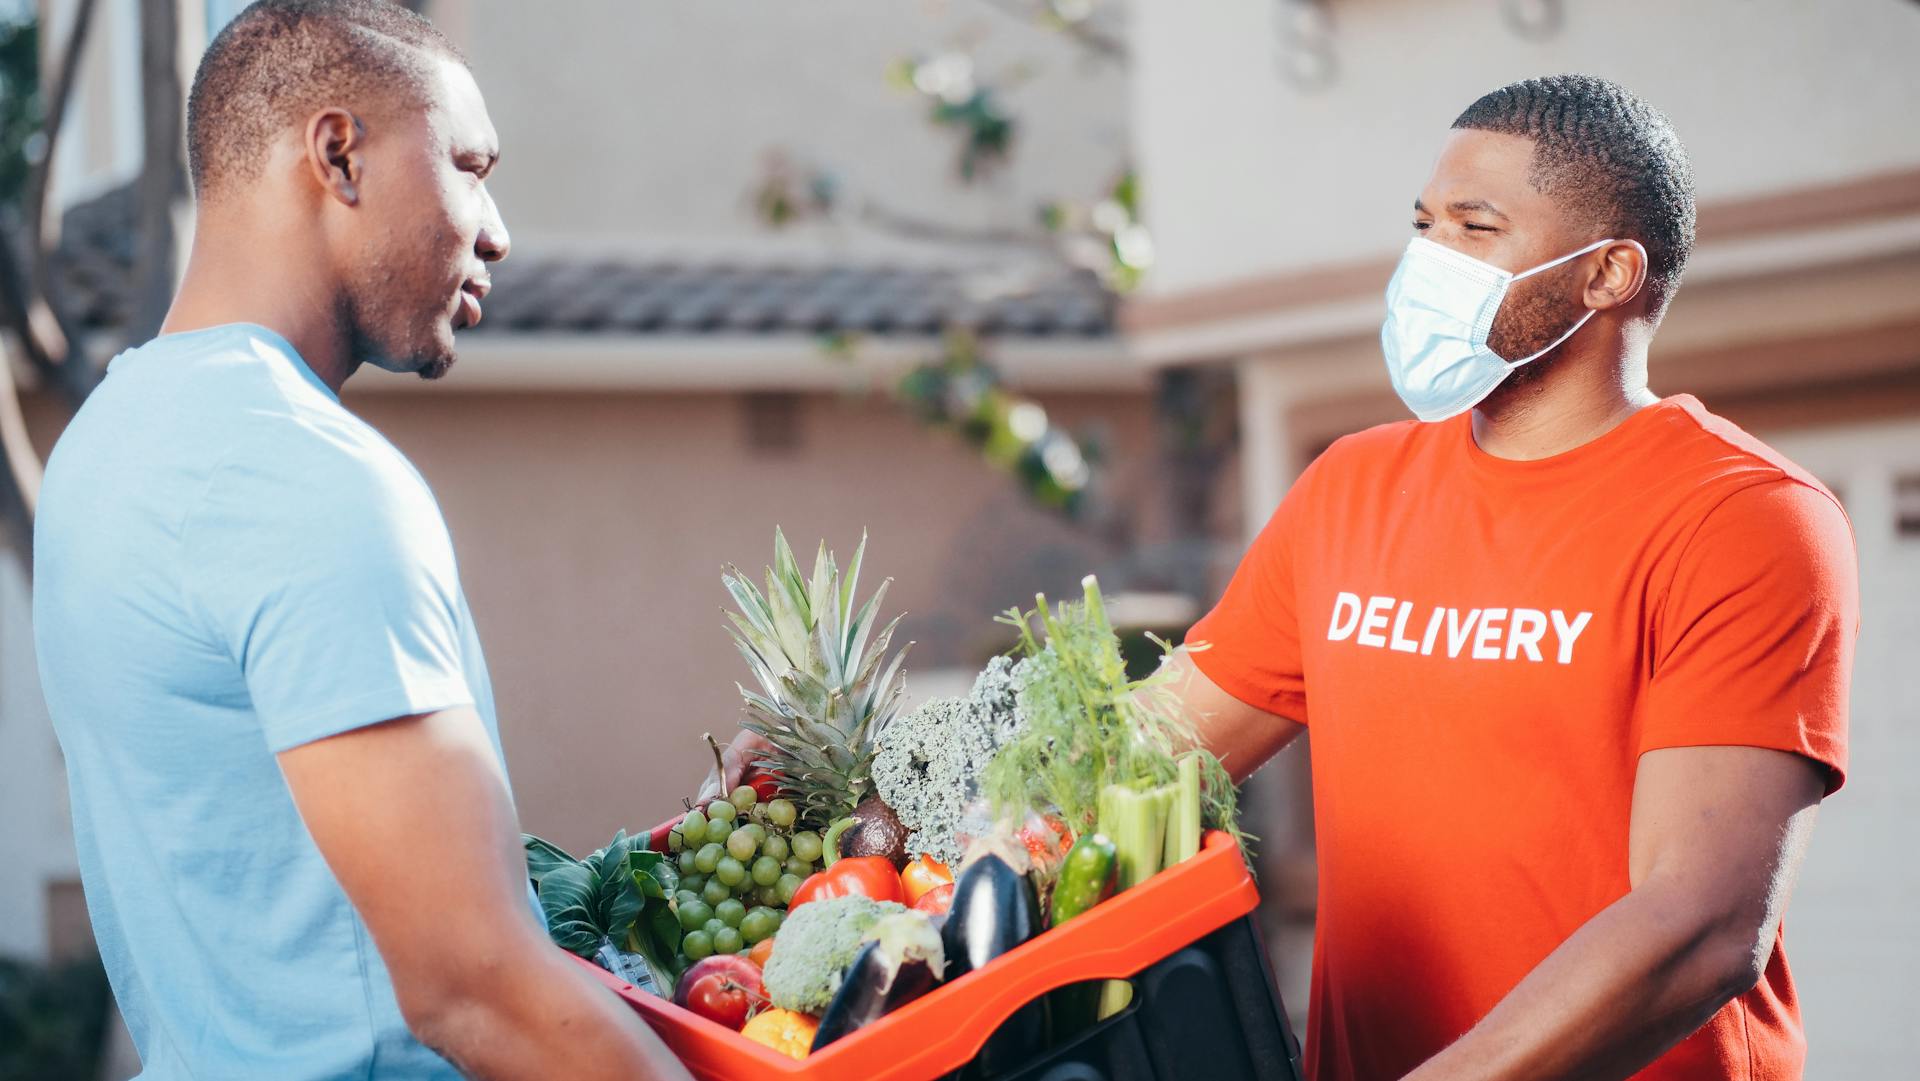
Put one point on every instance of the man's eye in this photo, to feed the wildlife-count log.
(1474, 227)
(1421, 226)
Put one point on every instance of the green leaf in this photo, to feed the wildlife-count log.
(544, 856)
(656, 874)
(656, 938)
(752, 605)
(619, 905)
(566, 899)
(819, 590)
(852, 580)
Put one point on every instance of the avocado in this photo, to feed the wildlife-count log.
(876, 831)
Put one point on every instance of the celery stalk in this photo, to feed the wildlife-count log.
(1183, 824)
(1114, 996)
(1137, 822)
(1160, 801)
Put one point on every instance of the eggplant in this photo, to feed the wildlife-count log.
(994, 910)
(902, 960)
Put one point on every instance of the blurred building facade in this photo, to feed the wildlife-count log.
(1283, 143)
(649, 396)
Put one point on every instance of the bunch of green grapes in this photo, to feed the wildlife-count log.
(740, 863)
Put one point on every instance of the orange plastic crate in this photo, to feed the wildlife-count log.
(941, 1031)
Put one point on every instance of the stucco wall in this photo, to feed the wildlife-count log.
(1247, 174)
(591, 530)
(641, 125)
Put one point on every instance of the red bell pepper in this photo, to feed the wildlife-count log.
(867, 876)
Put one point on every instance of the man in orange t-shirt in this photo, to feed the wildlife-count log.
(1575, 657)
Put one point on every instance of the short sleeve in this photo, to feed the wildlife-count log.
(1753, 644)
(329, 577)
(1252, 636)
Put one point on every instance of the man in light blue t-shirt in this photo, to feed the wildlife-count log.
(300, 854)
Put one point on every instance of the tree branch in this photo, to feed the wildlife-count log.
(45, 337)
(911, 227)
(20, 477)
(162, 175)
(53, 119)
(54, 115)
(1083, 32)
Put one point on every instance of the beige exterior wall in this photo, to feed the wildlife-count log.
(1279, 211)
(631, 127)
(1248, 174)
(591, 529)
(36, 831)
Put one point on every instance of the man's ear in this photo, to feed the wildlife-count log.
(334, 140)
(1621, 275)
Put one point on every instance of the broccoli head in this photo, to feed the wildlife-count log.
(816, 946)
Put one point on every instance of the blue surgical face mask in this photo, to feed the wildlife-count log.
(1440, 308)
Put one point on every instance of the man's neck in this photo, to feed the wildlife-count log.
(249, 275)
(1583, 398)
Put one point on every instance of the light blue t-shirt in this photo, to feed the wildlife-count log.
(228, 564)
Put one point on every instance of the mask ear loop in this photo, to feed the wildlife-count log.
(1570, 256)
(1578, 323)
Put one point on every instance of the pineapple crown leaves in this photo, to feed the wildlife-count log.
(815, 657)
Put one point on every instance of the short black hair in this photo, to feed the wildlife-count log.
(1602, 153)
(279, 60)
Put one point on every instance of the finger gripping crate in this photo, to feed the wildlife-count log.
(1204, 1005)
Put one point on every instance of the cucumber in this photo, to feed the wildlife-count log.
(1086, 878)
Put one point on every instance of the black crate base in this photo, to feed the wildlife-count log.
(1208, 1012)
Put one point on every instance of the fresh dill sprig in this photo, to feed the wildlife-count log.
(1087, 725)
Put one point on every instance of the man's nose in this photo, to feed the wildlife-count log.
(492, 242)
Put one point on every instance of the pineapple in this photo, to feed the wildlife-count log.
(825, 691)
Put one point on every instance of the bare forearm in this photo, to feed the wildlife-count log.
(1243, 737)
(547, 1019)
(1635, 980)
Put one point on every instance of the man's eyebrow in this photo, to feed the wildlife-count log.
(1469, 206)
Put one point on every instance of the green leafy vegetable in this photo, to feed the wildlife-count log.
(619, 895)
(656, 929)
(1088, 726)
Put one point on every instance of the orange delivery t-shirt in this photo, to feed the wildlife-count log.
(1481, 650)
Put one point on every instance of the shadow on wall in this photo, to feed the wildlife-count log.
(985, 572)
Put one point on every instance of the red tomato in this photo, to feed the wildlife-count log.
(766, 786)
(1049, 842)
(935, 901)
(723, 989)
(657, 837)
(760, 952)
(868, 876)
(922, 875)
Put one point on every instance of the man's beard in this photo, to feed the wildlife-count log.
(1528, 321)
(366, 319)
